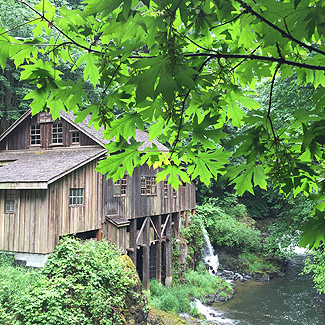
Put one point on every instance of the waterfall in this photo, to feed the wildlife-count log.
(216, 317)
(208, 255)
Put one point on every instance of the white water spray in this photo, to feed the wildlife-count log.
(211, 314)
(208, 255)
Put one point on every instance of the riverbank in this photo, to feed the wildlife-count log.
(283, 300)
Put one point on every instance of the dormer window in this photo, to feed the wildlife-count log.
(121, 186)
(148, 185)
(35, 134)
(57, 133)
(75, 137)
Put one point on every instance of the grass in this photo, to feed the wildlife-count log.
(178, 298)
(14, 282)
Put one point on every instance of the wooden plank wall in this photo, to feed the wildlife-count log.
(116, 235)
(19, 138)
(74, 219)
(27, 229)
(135, 205)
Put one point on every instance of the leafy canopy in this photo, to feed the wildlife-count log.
(182, 69)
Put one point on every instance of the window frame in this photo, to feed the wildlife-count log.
(120, 187)
(55, 136)
(166, 189)
(76, 197)
(148, 185)
(36, 136)
(74, 136)
(10, 201)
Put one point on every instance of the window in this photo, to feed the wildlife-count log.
(75, 137)
(35, 134)
(148, 185)
(57, 133)
(10, 201)
(174, 193)
(76, 196)
(165, 188)
(121, 186)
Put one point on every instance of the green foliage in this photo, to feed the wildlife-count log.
(14, 283)
(194, 238)
(178, 298)
(226, 230)
(256, 263)
(315, 264)
(187, 69)
(81, 283)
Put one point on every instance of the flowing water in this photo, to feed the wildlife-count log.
(282, 301)
(208, 255)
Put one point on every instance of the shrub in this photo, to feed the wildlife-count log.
(315, 264)
(14, 282)
(194, 237)
(178, 298)
(226, 230)
(81, 283)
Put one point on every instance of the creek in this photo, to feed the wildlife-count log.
(281, 301)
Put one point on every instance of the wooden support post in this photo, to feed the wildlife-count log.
(146, 254)
(158, 245)
(176, 219)
(187, 219)
(133, 238)
(169, 253)
(99, 234)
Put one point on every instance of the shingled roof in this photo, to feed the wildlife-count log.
(37, 169)
(90, 131)
(97, 136)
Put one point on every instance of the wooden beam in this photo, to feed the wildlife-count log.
(146, 255)
(141, 230)
(165, 225)
(155, 229)
(169, 253)
(99, 235)
(133, 245)
(158, 245)
(176, 224)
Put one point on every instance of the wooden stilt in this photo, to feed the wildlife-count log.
(169, 253)
(99, 234)
(187, 219)
(176, 219)
(146, 254)
(157, 222)
(133, 237)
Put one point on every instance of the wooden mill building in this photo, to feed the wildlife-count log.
(48, 188)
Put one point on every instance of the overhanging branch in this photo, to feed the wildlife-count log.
(278, 29)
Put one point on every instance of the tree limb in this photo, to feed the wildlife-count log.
(268, 116)
(283, 33)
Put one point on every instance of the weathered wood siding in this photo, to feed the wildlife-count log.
(66, 219)
(27, 229)
(116, 235)
(19, 138)
(135, 205)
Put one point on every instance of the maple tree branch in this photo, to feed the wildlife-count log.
(268, 116)
(172, 151)
(21, 25)
(111, 79)
(228, 22)
(258, 57)
(241, 62)
(42, 16)
(281, 31)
